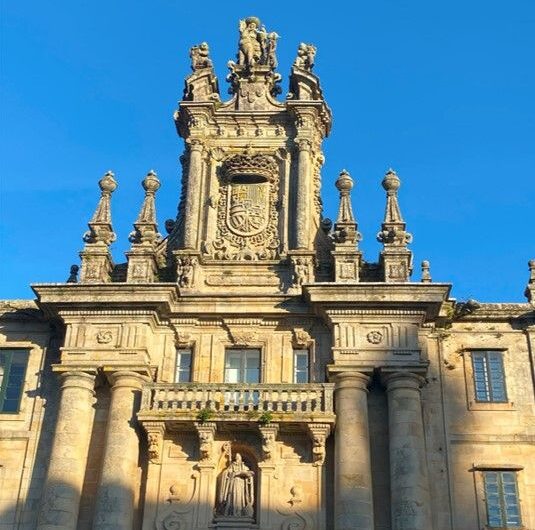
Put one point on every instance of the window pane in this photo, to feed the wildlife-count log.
(301, 366)
(242, 366)
(183, 365)
(501, 496)
(12, 371)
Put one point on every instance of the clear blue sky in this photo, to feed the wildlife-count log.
(444, 92)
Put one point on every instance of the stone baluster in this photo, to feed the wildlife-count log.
(353, 504)
(115, 499)
(302, 195)
(408, 467)
(191, 215)
(64, 481)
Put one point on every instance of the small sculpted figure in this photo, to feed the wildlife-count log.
(200, 57)
(236, 494)
(251, 41)
(306, 54)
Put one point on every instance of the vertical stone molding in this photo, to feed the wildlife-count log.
(353, 505)
(191, 217)
(118, 482)
(303, 195)
(63, 486)
(408, 467)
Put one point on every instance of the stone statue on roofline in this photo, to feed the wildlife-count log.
(306, 54)
(256, 45)
(200, 56)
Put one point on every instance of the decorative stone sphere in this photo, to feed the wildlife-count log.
(108, 183)
(391, 182)
(150, 182)
(344, 181)
(425, 264)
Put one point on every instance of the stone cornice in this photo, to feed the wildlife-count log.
(55, 297)
(405, 297)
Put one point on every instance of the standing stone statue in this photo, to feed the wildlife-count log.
(236, 493)
(252, 42)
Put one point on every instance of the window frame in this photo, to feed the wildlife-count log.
(296, 351)
(180, 349)
(471, 402)
(488, 375)
(502, 494)
(6, 377)
(242, 369)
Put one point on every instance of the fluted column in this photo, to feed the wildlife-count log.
(65, 477)
(115, 500)
(409, 481)
(353, 503)
(302, 205)
(191, 215)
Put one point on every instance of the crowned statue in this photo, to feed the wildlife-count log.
(236, 490)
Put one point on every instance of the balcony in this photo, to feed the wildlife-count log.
(184, 403)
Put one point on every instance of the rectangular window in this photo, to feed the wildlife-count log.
(183, 365)
(242, 366)
(301, 368)
(12, 372)
(489, 377)
(501, 497)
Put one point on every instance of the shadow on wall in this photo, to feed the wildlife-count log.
(172, 515)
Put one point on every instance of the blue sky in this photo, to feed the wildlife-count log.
(443, 92)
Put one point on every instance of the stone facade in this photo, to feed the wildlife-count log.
(251, 370)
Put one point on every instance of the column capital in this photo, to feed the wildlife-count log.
(126, 378)
(83, 379)
(402, 379)
(357, 380)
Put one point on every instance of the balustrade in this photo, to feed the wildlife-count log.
(290, 400)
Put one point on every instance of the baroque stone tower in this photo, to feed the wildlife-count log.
(251, 370)
(250, 212)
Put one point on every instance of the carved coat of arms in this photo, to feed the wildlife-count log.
(247, 217)
(248, 208)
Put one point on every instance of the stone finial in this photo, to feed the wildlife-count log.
(347, 257)
(393, 231)
(146, 228)
(530, 289)
(142, 258)
(100, 228)
(426, 274)
(345, 228)
(396, 259)
(97, 263)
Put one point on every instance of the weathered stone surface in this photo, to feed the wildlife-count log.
(251, 264)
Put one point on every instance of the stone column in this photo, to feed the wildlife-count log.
(116, 492)
(302, 203)
(68, 458)
(353, 502)
(191, 215)
(408, 467)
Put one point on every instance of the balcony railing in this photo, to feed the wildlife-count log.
(228, 401)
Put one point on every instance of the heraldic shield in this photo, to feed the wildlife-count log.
(248, 208)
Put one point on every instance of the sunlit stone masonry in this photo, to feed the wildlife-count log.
(250, 369)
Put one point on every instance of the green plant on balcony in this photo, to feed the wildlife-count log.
(265, 418)
(204, 414)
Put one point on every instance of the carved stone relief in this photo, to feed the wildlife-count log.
(247, 216)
